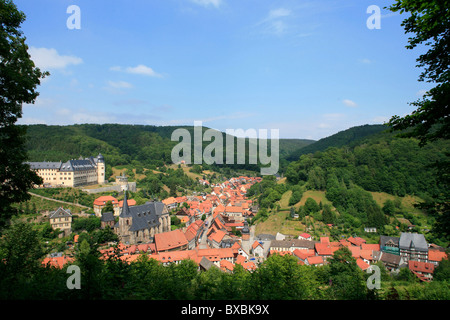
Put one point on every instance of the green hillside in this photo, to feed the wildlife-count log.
(373, 181)
(143, 145)
(340, 139)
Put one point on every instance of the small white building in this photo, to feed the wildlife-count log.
(305, 236)
(257, 249)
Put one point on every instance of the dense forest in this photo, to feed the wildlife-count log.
(343, 138)
(382, 163)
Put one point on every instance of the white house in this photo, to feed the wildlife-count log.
(257, 249)
(305, 236)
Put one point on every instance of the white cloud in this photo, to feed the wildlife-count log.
(205, 3)
(275, 21)
(47, 59)
(140, 69)
(349, 103)
(278, 13)
(120, 84)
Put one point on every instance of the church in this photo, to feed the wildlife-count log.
(139, 224)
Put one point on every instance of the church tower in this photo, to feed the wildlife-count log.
(125, 221)
(101, 169)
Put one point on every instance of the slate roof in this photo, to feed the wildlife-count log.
(413, 240)
(44, 165)
(386, 239)
(107, 216)
(78, 165)
(69, 166)
(60, 213)
(144, 216)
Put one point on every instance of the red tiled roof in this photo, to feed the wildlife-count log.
(303, 253)
(357, 241)
(356, 251)
(323, 249)
(240, 259)
(314, 260)
(325, 240)
(170, 240)
(249, 265)
(363, 265)
(281, 253)
(226, 265)
(420, 266)
(217, 236)
(130, 202)
(256, 244)
(436, 255)
(57, 262)
(373, 247)
(100, 201)
(233, 209)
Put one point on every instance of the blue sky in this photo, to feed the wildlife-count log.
(307, 68)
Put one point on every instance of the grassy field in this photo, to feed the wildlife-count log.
(407, 201)
(318, 196)
(277, 222)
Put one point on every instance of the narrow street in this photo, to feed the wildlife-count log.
(202, 242)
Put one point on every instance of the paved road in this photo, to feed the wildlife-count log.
(202, 243)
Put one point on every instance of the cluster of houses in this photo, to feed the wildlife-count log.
(227, 198)
(216, 233)
(410, 250)
(215, 226)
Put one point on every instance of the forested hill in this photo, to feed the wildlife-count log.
(380, 162)
(340, 139)
(120, 144)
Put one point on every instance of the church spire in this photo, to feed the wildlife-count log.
(125, 210)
